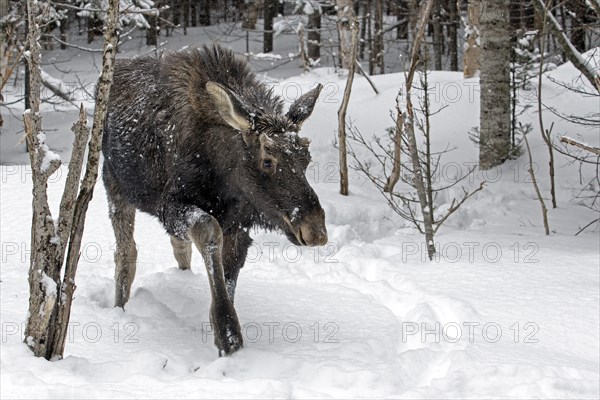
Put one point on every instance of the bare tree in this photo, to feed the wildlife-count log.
(418, 204)
(545, 132)
(50, 296)
(342, 113)
(401, 123)
(536, 187)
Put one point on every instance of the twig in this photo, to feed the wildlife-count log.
(74, 45)
(587, 226)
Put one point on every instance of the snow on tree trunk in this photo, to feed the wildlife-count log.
(345, 13)
(472, 47)
(494, 138)
(50, 296)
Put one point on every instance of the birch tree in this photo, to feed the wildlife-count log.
(494, 133)
(472, 48)
(56, 243)
(345, 13)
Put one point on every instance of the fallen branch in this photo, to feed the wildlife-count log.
(363, 73)
(573, 142)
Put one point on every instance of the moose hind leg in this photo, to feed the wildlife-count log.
(182, 250)
(122, 216)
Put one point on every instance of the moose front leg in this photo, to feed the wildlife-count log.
(235, 249)
(208, 238)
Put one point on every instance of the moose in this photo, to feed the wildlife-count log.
(196, 140)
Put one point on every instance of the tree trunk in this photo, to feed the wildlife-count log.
(269, 9)
(378, 43)
(63, 28)
(342, 112)
(578, 24)
(193, 14)
(251, 15)
(314, 34)
(303, 55)
(402, 19)
(494, 139)
(363, 29)
(438, 36)
(204, 18)
(346, 17)
(176, 12)
(94, 27)
(50, 296)
(473, 48)
(370, 51)
(185, 12)
(413, 18)
(454, 17)
(152, 31)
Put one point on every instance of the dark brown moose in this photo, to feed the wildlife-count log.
(194, 139)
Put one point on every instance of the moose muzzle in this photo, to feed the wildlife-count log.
(311, 230)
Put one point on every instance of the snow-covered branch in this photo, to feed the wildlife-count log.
(571, 52)
(576, 143)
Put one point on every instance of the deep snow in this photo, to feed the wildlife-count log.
(504, 312)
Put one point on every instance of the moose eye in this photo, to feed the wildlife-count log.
(268, 164)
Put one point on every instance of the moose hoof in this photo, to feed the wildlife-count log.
(229, 342)
(228, 334)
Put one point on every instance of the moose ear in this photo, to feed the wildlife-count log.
(230, 107)
(303, 107)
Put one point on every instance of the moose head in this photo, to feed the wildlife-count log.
(271, 171)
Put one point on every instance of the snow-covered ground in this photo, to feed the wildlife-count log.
(502, 312)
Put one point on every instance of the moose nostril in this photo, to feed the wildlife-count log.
(313, 235)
